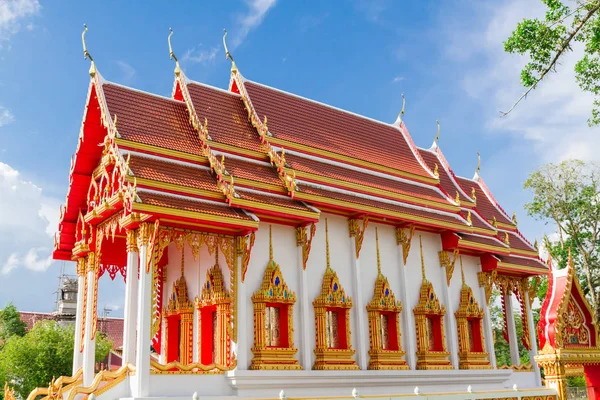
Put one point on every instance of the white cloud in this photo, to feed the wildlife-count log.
(28, 220)
(397, 79)
(252, 19)
(12, 14)
(200, 56)
(553, 119)
(127, 70)
(6, 117)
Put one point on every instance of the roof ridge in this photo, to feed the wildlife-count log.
(437, 152)
(141, 91)
(486, 190)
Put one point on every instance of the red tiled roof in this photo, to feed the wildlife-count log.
(227, 119)
(252, 171)
(31, 318)
(336, 172)
(172, 172)
(180, 203)
(517, 242)
(378, 204)
(152, 120)
(477, 220)
(527, 262)
(484, 205)
(446, 182)
(490, 241)
(274, 200)
(306, 122)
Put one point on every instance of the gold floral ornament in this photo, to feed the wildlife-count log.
(384, 324)
(332, 318)
(429, 321)
(178, 315)
(214, 325)
(469, 321)
(405, 239)
(274, 321)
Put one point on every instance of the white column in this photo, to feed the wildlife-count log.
(89, 344)
(77, 354)
(408, 333)
(131, 296)
(142, 357)
(243, 348)
(512, 330)
(450, 321)
(360, 312)
(305, 323)
(488, 330)
(532, 340)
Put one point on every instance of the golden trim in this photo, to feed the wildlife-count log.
(272, 207)
(176, 368)
(482, 246)
(176, 188)
(244, 247)
(194, 215)
(257, 155)
(244, 182)
(128, 144)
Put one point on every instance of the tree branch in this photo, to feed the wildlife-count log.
(565, 45)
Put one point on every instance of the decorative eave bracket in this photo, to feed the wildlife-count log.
(405, 239)
(357, 233)
(244, 245)
(304, 238)
(448, 262)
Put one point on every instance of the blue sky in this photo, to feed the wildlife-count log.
(359, 55)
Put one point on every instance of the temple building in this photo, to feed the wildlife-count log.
(272, 245)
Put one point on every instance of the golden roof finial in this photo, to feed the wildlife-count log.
(327, 245)
(506, 239)
(478, 163)
(436, 171)
(86, 54)
(401, 113)
(227, 53)
(536, 245)
(462, 272)
(457, 198)
(422, 260)
(378, 256)
(172, 54)
(437, 137)
(514, 217)
(182, 258)
(473, 194)
(469, 220)
(270, 244)
(494, 222)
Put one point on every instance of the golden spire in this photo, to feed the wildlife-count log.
(227, 53)
(401, 113)
(172, 54)
(327, 245)
(462, 272)
(478, 163)
(270, 245)
(86, 54)
(182, 258)
(422, 260)
(378, 256)
(437, 137)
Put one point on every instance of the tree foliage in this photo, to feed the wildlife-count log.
(567, 195)
(546, 41)
(32, 360)
(10, 323)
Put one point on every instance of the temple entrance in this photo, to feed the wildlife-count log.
(568, 334)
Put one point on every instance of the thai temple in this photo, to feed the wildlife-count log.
(276, 247)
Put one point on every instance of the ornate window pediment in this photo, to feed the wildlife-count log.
(429, 319)
(384, 324)
(332, 317)
(273, 320)
(469, 321)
